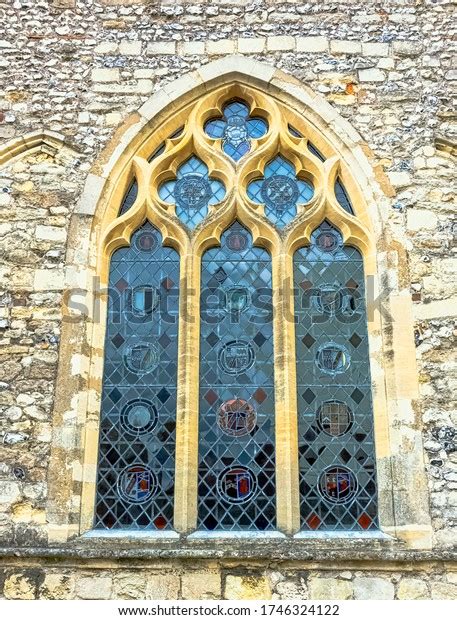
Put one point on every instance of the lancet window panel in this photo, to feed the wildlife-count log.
(136, 464)
(236, 429)
(336, 445)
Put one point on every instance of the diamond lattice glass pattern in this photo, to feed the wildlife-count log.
(236, 430)
(192, 191)
(280, 190)
(336, 449)
(138, 416)
(236, 129)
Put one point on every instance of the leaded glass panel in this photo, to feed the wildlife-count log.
(336, 445)
(138, 413)
(236, 129)
(236, 430)
(192, 191)
(280, 191)
(129, 198)
(342, 196)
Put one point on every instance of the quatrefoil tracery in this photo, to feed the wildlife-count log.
(238, 157)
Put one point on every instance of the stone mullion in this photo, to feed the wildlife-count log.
(186, 477)
(286, 423)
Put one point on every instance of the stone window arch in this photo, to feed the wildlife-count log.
(324, 150)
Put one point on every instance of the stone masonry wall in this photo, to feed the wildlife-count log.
(80, 68)
(181, 581)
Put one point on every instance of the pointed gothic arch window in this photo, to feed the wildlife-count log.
(248, 208)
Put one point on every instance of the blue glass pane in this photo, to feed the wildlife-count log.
(215, 128)
(315, 151)
(257, 127)
(236, 429)
(135, 482)
(294, 132)
(336, 444)
(236, 129)
(280, 191)
(192, 192)
(129, 197)
(342, 196)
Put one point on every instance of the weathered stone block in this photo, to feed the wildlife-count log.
(94, 588)
(51, 233)
(19, 586)
(421, 219)
(131, 585)
(48, 280)
(375, 49)
(57, 586)
(130, 48)
(443, 591)
(162, 587)
(161, 48)
(312, 44)
(10, 492)
(280, 43)
(371, 75)
(407, 48)
(326, 588)
(345, 47)
(189, 48)
(202, 585)
(222, 46)
(373, 588)
(106, 47)
(247, 587)
(412, 589)
(105, 75)
(399, 179)
(251, 46)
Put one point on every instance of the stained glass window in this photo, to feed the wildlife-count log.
(138, 414)
(192, 191)
(280, 191)
(336, 447)
(236, 129)
(236, 429)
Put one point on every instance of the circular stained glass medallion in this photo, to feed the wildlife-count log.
(146, 241)
(136, 484)
(279, 192)
(236, 417)
(192, 191)
(237, 485)
(328, 241)
(334, 418)
(337, 484)
(236, 357)
(332, 358)
(142, 357)
(139, 417)
(237, 241)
